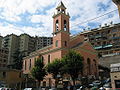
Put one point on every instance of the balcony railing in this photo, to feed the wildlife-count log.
(112, 54)
(98, 47)
(103, 46)
(106, 46)
(115, 37)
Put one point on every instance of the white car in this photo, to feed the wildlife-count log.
(80, 88)
(3, 88)
(96, 83)
(28, 89)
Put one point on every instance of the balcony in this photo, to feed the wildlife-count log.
(98, 36)
(107, 46)
(103, 46)
(115, 37)
(98, 47)
(112, 54)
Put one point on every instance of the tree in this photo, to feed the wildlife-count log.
(54, 68)
(73, 64)
(38, 72)
(18, 60)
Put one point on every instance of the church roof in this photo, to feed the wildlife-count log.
(61, 5)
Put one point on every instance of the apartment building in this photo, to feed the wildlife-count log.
(26, 44)
(43, 42)
(3, 57)
(117, 2)
(11, 42)
(106, 40)
(1, 41)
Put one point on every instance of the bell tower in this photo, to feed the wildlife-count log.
(61, 32)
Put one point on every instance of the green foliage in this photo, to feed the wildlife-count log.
(73, 64)
(18, 60)
(54, 67)
(38, 72)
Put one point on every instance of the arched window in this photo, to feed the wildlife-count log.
(89, 66)
(56, 43)
(65, 25)
(57, 25)
(48, 58)
(58, 10)
(65, 43)
(25, 64)
(30, 64)
(42, 58)
(63, 11)
(95, 66)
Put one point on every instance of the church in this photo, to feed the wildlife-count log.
(62, 43)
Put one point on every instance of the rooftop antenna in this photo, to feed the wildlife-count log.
(111, 22)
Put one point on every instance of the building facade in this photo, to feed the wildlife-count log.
(11, 78)
(23, 43)
(11, 42)
(43, 42)
(115, 75)
(62, 43)
(1, 41)
(117, 2)
(3, 57)
(106, 40)
(26, 44)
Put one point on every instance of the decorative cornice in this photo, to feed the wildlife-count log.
(55, 15)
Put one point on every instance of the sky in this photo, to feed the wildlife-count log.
(34, 17)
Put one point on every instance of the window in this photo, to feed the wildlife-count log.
(20, 75)
(42, 58)
(25, 64)
(48, 58)
(4, 74)
(65, 25)
(89, 66)
(63, 11)
(65, 43)
(56, 44)
(57, 25)
(30, 64)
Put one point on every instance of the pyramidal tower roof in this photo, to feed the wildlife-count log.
(61, 5)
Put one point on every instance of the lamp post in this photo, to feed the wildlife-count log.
(26, 79)
(60, 82)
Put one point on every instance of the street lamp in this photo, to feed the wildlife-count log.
(60, 82)
(26, 79)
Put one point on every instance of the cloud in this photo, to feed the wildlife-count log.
(35, 16)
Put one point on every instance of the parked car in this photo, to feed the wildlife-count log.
(3, 88)
(28, 89)
(96, 83)
(52, 89)
(107, 86)
(81, 87)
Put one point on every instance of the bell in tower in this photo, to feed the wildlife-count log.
(61, 8)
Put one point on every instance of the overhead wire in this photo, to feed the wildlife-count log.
(94, 18)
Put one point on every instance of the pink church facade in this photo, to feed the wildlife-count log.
(62, 43)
